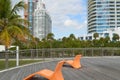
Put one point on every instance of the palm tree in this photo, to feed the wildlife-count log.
(101, 42)
(72, 37)
(11, 24)
(64, 41)
(50, 36)
(95, 35)
(115, 37)
(50, 39)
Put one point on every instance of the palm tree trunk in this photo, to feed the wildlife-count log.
(6, 57)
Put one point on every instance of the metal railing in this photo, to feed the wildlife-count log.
(60, 53)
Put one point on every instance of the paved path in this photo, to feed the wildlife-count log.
(104, 68)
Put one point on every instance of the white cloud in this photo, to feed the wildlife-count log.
(60, 11)
(75, 24)
(71, 23)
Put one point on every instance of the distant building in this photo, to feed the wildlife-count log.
(28, 13)
(42, 21)
(108, 32)
(103, 16)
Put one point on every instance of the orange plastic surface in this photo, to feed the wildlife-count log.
(51, 75)
(76, 62)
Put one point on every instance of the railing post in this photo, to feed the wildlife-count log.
(43, 54)
(63, 54)
(36, 53)
(17, 56)
(102, 52)
(72, 52)
(6, 59)
(85, 51)
(113, 52)
(92, 52)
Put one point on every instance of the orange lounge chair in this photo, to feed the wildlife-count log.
(50, 75)
(75, 63)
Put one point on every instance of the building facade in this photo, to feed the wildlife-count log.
(103, 18)
(42, 21)
(109, 32)
(28, 13)
(103, 15)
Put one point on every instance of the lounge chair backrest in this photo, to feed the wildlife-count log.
(77, 59)
(58, 71)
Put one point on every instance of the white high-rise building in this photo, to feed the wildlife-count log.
(103, 15)
(103, 18)
(42, 21)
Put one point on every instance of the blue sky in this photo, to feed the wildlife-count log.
(68, 17)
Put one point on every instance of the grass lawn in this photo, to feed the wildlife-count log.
(12, 63)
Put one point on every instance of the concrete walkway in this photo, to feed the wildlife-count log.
(102, 68)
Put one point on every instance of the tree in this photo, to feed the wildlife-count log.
(11, 24)
(72, 37)
(115, 37)
(101, 42)
(50, 36)
(95, 35)
(107, 39)
(50, 39)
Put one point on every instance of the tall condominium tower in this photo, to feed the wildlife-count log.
(103, 15)
(42, 21)
(28, 13)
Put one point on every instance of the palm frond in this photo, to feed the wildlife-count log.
(12, 26)
(5, 37)
(1, 24)
(18, 7)
(14, 16)
(19, 22)
(16, 32)
(5, 8)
